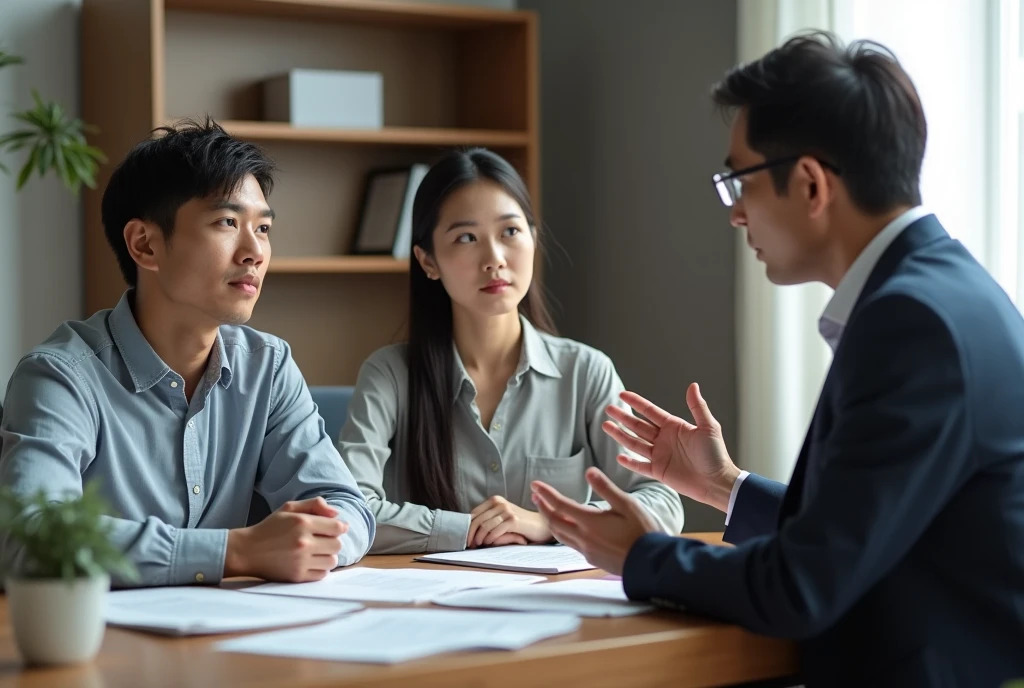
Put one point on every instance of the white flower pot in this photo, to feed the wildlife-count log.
(57, 622)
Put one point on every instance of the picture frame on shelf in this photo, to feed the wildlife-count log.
(385, 221)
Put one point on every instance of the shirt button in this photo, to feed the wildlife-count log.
(195, 489)
(494, 467)
(200, 577)
(191, 423)
(174, 383)
(496, 426)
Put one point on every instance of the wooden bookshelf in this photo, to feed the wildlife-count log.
(453, 76)
(381, 12)
(396, 136)
(338, 264)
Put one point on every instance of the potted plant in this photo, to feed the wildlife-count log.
(54, 142)
(57, 586)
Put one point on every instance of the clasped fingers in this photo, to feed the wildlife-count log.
(491, 519)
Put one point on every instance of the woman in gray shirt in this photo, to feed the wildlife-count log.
(446, 432)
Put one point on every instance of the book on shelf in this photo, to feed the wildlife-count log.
(385, 223)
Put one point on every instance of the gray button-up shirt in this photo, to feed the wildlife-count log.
(96, 402)
(547, 427)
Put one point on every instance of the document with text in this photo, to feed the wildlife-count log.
(527, 558)
(197, 611)
(387, 636)
(392, 585)
(586, 597)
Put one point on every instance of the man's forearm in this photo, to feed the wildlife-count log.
(166, 555)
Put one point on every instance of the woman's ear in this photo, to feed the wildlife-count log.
(143, 240)
(426, 262)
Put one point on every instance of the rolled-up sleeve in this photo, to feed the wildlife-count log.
(49, 435)
(603, 389)
(299, 461)
(365, 445)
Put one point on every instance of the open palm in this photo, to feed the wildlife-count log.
(690, 458)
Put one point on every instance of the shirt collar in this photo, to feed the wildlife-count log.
(219, 359)
(142, 362)
(534, 355)
(839, 307)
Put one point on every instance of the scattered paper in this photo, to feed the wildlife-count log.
(392, 585)
(529, 558)
(586, 597)
(385, 636)
(197, 611)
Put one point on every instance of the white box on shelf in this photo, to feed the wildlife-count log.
(325, 98)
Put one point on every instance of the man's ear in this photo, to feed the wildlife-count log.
(816, 185)
(145, 242)
(426, 262)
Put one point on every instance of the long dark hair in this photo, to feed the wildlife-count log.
(431, 468)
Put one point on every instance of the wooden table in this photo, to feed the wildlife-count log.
(658, 649)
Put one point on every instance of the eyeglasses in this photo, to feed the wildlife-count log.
(730, 186)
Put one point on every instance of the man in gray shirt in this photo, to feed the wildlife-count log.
(177, 410)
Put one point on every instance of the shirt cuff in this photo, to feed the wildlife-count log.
(449, 532)
(355, 543)
(198, 555)
(732, 495)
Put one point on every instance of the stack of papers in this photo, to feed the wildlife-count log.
(585, 597)
(392, 585)
(387, 636)
(196, 611)
(529, 558)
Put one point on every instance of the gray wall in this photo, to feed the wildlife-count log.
(40, 226)
(629, 143)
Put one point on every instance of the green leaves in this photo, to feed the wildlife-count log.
(62, 539)
(8, 59)
(54, 142)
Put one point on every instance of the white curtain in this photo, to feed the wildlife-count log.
(967, 62)
(781, 358)
(1005, 247)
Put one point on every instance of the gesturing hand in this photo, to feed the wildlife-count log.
(498, 521)
(603, 537)
(297, 543)
(691, 459)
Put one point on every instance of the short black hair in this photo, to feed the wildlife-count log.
(178, 163)
(852, 107)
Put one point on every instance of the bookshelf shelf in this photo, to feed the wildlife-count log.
(368, 12)
(405, 136)
(337, 264)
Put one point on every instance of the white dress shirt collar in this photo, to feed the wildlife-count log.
(837, 312)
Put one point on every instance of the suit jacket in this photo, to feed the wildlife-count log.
(896, 553)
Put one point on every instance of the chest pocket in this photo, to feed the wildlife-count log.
(565, 474)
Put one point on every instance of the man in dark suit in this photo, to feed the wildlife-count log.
(896, 553)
